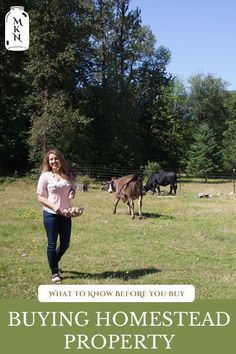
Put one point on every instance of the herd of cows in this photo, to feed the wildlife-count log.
(130, 187)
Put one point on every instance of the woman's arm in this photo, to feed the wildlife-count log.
(71, 195)
(72, 190)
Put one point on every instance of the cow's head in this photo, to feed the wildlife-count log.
(147, 187)
(112, 185)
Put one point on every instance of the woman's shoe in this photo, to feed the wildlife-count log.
(56, 278)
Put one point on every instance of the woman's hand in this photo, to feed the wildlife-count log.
(57, 209)
(71, 195)
(66, 212)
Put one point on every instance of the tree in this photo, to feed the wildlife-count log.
(229, 140)
(52, 102)
(166, 120)
(203, 154)
(91, 84)
(122, 47)
(208, 96)
(14, 122)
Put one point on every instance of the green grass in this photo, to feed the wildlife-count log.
(181, 240)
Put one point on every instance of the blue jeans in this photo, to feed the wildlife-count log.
(56, 225)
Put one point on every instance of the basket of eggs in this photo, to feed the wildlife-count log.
(72, 212)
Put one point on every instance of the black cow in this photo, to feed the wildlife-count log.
(162, 178)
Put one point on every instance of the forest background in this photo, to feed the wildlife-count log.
(94, 84)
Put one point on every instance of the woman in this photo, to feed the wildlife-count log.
(55, 188)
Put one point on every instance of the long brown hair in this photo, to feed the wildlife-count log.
(63, 170)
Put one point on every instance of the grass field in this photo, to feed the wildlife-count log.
(181, 240)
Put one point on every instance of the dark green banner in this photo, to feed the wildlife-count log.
(205, 326)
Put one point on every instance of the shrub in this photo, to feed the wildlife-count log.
(151, 168)
(85, 179)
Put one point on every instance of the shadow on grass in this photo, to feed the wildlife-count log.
(155, 216)
(125, 275)
(152, 216)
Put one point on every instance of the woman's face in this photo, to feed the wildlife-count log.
(54, 162)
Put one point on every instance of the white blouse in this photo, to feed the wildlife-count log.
(57, 192)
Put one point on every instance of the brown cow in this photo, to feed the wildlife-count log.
(127, 188)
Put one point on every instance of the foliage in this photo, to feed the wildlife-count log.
(153, 82)
(170, 125)
(85, 179)
(14, 123)
(203, 153)
(62, 127)
(55, 119)
(229, 141)
(122, 48)
(150, 168)
(207, 102)
(95, 85)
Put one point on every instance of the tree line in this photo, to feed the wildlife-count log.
(94, 84)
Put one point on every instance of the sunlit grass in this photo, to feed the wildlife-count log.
(181, 240)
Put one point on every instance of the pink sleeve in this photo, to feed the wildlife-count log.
(42, 185)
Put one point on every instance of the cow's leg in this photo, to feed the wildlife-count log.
(140, 203)
(116, 202)
(131, 204)
(129, 209)
(159, 189)
(171, 189)
(175, 188)
(153, 189)
(132, 209)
